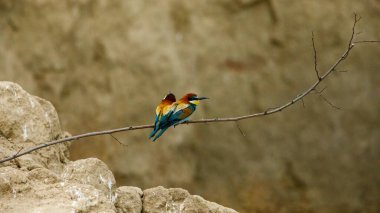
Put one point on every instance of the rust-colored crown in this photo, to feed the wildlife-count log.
(170, 97)
(187, 96)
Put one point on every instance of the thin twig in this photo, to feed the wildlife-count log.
(315, 57)
(240, 130)
(329, 102)
(320, 93)
(270, 111)
(18, 151)
(369, 41)
(117, 140)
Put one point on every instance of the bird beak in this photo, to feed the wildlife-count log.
(202, 98)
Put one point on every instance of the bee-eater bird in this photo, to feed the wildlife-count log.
(163, 111)
(180, 112)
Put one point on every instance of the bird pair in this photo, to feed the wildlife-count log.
(172, 113)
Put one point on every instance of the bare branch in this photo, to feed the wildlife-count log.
(357, 18)
(320, 93)
(329, 102)
(322, 90)
(240, 130)
(368, 41)
(315, 57)
(269, 111)
(18, 151)
(118, 140)
(72, 138)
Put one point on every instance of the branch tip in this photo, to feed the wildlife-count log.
(315, 56)
(240, 130)
(117, 140)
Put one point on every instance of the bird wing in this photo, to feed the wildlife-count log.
(186, 113)
(167, 111)
(181, 112)
(180, 106)
(158, 109)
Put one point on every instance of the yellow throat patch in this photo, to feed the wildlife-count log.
(195, 102)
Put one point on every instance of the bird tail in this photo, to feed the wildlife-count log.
(160, 133)
(154, 131)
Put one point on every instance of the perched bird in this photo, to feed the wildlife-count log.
(163, 111)
(180, 112)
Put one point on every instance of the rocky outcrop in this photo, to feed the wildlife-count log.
(47, 181)
(129, 199)
(26, 120)
(159, 199)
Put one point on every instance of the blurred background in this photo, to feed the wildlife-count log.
(107, 64)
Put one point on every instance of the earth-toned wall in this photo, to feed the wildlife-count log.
(106, 64)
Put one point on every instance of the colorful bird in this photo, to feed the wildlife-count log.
(180, 112)
(163, 111)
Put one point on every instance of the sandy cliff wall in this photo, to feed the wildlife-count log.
(106, 64)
